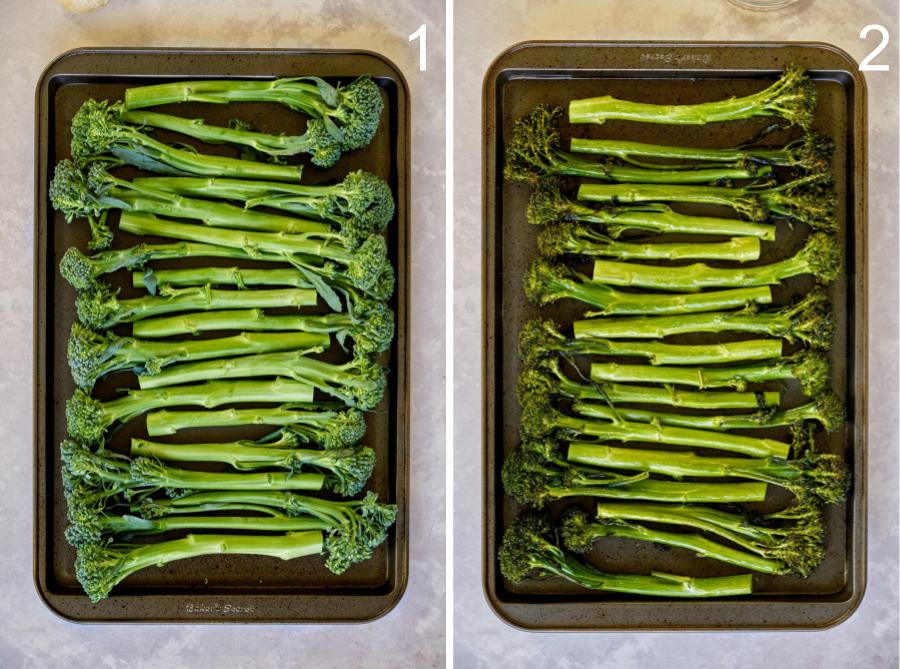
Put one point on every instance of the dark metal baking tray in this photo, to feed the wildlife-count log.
(213, 589)
(555, 72)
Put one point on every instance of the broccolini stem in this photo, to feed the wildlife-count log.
(701, 377)
(657, 327)
(668, 491)
(219, 276)
(680, 463)
(301, 95)
(659, 218)
(125, 524)
(701, 546)
(247, 319)
(621, 393)
(170, 477)
(242, 455)
(212, 394)
(697, 276)
(208, 212)
(161, 423)
(792, 96)
(662, 353)
(274, 145)
(267, 242)
(203, 298)
(733, 527)
(657, 584)
(626, 432)
(285, 547)
(741, 200)
(812, 152)
(763, 419)
(739, 249)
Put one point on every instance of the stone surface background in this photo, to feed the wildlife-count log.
(35, 32)
(485, 28)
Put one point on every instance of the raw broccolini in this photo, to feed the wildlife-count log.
(328, 266)
(350, 113)
(92, 354)
(361, 204)
(369, 323)
(359, 382)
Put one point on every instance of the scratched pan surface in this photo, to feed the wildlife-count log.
(233, 588)
(554, 73)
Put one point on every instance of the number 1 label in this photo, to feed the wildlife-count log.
(420, 35)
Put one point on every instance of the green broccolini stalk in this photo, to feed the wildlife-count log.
(239, 277)
(92, 355)
(820, 256)
(82, 271)
(546, 379)
(107, 524)
(548, 282)
(549, 206)
(102, 191)
(325, 264)
(99, 307)
(528, 550)
(809, 320)
(348, 532)
(540, 420)
(350, 114)
(100, 567)
(821, 474)
(370, 324)
(810, 368)
(361, 204)
(97, 130)
(531, 479)
(826, 409)
(582, 239)
(349, 467)
(812, 152)
(579, 533)
(88, 419)
(329, 428)
(810, 199)
(359, 382)
(540, 338)
(787, 534)
(154, 474)
(316, 141)
(533, 152)
(356, 527)
(792, 97)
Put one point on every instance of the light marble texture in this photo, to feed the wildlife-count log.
(412, 635)
(483, 29)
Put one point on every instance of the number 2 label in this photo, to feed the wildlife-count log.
(866, 65)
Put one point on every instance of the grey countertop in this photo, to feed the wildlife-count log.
(483, 29)
(412, 635)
